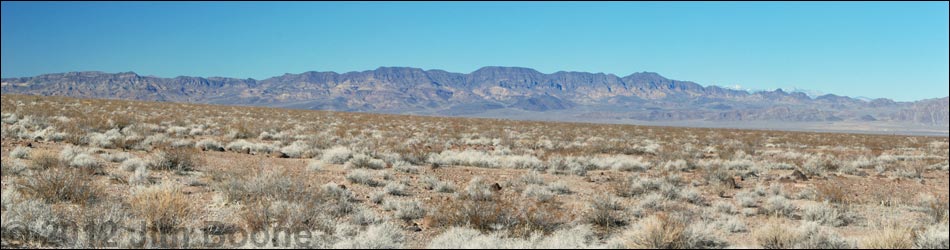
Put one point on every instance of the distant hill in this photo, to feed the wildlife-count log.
(493, 91)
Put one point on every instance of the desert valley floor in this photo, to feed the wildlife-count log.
(189, 175)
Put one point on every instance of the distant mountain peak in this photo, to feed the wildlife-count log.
(638, 96)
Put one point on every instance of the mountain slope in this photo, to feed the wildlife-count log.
(573, 95)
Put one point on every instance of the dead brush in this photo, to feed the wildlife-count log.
(834, 193)
(63, 185)
(164, 208)
(176, 159)
(518, 218)
(660, 232)
(47, 160)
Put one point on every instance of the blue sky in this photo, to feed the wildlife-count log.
(878, 49)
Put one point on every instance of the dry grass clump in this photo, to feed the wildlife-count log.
(336, 155)
(663, 231)
(518, 218)
(891, 237)
(934, 237)
(362, 161)
(779, 206)
(834, 193)
(20, 153)
(178, 159)
(164, 208)
(433, 183)
(397, 189)
(410, 210)
(538, 193)
(46, 160)
(63, 185)
(777, 235)
(12, 168)
(363, 177)
(605, 211)
(478, 190)
(826, 214)
(578, 237)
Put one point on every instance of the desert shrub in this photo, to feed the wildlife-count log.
(243, 146)
(410, 210)
(36, 220)
(635, 186)
(336, 155)
(364, 177)
(677, 165)
(560, 188)
(813, 236)
(116, 157)
(889, 238)
(560, 165)
(382, 236)
(297, 149)
(775, 236)
(179, 160)
(478, 189)
(432, 183)
(693, 196)
(724, 207)
(274, 184)
(934, 237)
(163, 207)
(315, 166)
(286, 214)
(520, 218)
(63, 185)
(378, 197)
(605, 212)
(364, 217)
(362, 161)
(622, 163)
(140, 176)
(808, 193)
(833, 192)
(46, 160)
(12, 168)
(579, 237)
(133, 164)
(817, 166)
(653, 202)
(779, 206)
(747, 199)
(209, 145)
(935, 209)
(734, 225)
(663, 231)
(397, 189)
(109, 139)
(87, 163)
(538, 193)
(533, 178)
(20, 153)
(485, 160)
(825, 214)
(405, 167)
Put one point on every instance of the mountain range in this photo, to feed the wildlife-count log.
(503, 92)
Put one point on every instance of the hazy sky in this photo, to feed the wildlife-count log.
(894, 50)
